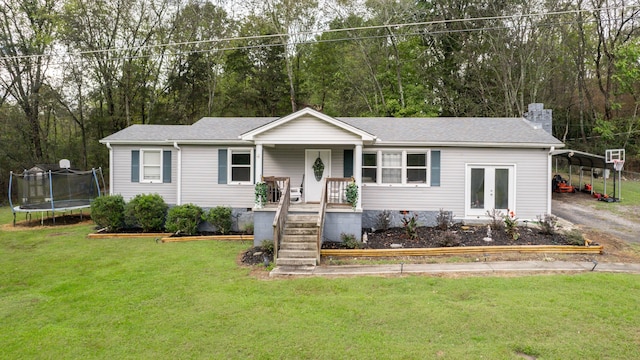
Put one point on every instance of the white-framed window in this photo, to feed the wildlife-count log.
(396, 167)
(151, 165)
(240, 166)
(417, 167)
(370, 167)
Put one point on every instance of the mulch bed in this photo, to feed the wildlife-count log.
(457, 235)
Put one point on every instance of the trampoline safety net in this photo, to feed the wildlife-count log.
(54, 189)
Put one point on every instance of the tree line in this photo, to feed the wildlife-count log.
(74, 71)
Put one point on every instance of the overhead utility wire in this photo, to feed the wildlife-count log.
(307, 42)
(307, 33)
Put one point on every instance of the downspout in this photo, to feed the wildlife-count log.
(549, 177)
(110, 168)
(179, 184)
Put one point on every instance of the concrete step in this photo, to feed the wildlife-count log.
(296, 254)
(295, 261)
(300, 230)
(292, 270)
(298, 246)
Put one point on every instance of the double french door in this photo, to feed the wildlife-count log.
(489, 187)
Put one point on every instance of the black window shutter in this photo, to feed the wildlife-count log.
(348, 163)
(222, 166)
(166, 166)
(435, 168)
(135, 165)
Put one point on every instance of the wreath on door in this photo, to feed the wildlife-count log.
(318, 168)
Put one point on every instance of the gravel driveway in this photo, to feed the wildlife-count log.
(620, 221)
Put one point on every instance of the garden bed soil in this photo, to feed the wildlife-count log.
(457, 235)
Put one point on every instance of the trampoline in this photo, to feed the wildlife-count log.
(60, 190)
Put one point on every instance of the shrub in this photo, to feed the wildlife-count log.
(574, 237)
(448, 239)
(148, 211)
(184, 219)
(349, 241)
(410, 226)
(383, 221)
(496, 219)
(444, 219)
(248, 228)
(108, 211)
(267, 247)
(220, 217)
(548, 223)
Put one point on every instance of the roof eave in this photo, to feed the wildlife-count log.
(172, 141)
(469, 144)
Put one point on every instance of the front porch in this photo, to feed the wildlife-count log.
(299, 229)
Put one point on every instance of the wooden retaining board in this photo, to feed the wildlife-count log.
(566, 249)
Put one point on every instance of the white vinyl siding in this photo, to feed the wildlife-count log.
(308, 130)
(123, 185)
(531, 185)
(200, 180)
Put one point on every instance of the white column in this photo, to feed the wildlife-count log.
(357, 173)
(258, 162)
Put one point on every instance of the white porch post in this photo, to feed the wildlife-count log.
(258, 163)
(357, 173)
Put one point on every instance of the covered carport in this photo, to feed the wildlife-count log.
(584, 161)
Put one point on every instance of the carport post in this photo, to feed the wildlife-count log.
(570, 182)
(604, 176)
(591, 181)
(581, 170)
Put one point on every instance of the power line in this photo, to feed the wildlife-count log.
(315, 32)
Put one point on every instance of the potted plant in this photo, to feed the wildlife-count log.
(261, 194)
(352, 194)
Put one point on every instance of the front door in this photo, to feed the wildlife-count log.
(317, 167)
(489, 187)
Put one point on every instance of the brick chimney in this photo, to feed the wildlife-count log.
(540, 116)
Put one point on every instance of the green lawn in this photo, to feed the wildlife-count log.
(63, 296)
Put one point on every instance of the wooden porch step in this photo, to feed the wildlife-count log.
(300, 230)
(302, 220)
(299, 246)
(297, 254)
(300, 238)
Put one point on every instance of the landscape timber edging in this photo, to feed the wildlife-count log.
(126, 235)
(564, 249)
(166, 237)
(209, 237)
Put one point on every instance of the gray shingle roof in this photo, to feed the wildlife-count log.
(388, 130)
(454, 130)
